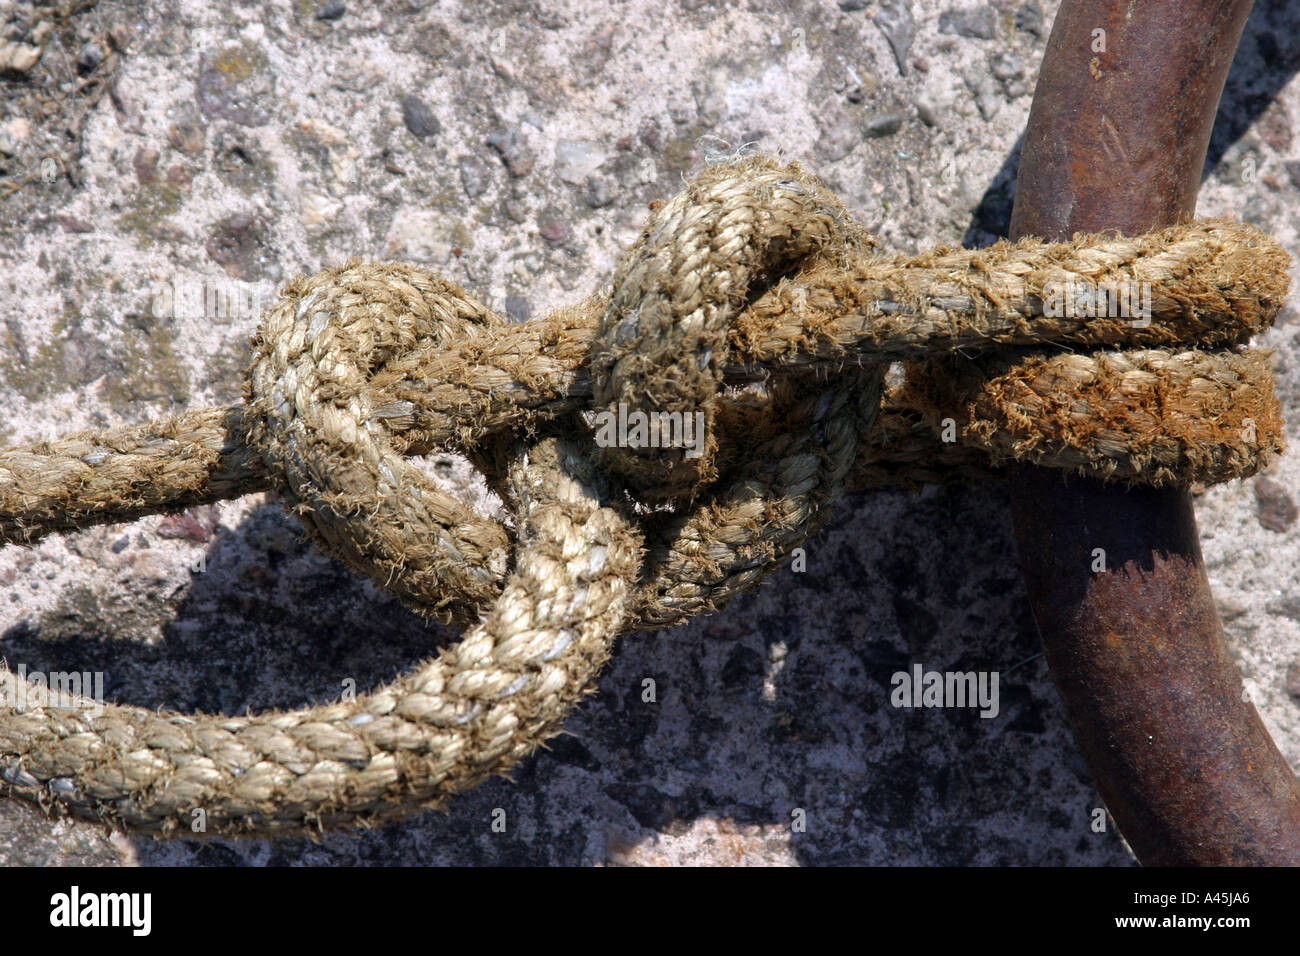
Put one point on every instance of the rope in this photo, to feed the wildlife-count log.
(752, 304)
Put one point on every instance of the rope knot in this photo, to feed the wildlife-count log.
(322, 411)
(736, 379)
(662, 342)
(755, 320)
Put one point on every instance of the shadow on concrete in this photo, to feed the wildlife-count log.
(895, 580)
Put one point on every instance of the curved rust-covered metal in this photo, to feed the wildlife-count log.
(1116, 139)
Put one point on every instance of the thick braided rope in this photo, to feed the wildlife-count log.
(1214, 283)
(475, 709)
(753, 299)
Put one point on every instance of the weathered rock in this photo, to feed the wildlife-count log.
(475, 176)
(145, 164)
(1274, 505)
(187, 135)
(419, 119)
(894, 18)
(331, 10)
(517, 309)
(13, 134)
(18, 57)
(238, 244)
(1029, 18)
(976, 22)
(517, 158)
(554, 227)
(881, 126)
(575, 160)
(89, 58)
(234, 84)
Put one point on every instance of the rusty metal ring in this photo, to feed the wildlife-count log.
(1116, 139)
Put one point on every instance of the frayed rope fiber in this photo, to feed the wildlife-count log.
(753, 301)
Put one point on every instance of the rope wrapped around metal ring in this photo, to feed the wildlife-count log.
(663, 446)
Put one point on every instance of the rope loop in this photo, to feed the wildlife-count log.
(318, 420)
(662, 342)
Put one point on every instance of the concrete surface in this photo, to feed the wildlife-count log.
(513, 147)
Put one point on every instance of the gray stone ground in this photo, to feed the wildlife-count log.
(514, 147)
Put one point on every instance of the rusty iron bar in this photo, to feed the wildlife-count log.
(1117, 140)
